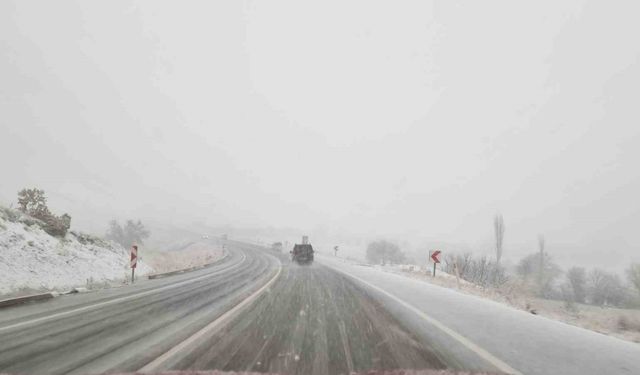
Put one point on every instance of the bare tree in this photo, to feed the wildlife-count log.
(541, 260)
(498, 227)
(526, 267)
(382, 252)
(605, 288)
(481, 271)
(116, 233)
(634, 275)
(546, 270)
(132, 232)
(577, 277)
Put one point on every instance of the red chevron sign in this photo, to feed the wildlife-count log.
(134, 256)
(435, 256)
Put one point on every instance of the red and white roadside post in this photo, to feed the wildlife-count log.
(134, 261)
(434, 256)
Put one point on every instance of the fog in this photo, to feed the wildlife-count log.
(415, 121)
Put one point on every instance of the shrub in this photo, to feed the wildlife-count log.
(33, 202)
(539, 269)
(57, 226)
(481, 271)
(10, 215)
(605, 288)
(132, 232)
(627, 324)
(577, 278)
(382, 251)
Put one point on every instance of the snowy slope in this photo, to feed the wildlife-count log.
(32, 259)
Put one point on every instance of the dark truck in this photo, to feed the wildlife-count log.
(302, 253)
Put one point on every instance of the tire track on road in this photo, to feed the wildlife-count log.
(123, 333)
(313, 321)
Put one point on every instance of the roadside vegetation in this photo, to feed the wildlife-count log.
(33, 202)
(591, 298)
(133, 232)
(32, 260)
(40, 252)
(383, 252)
(193, 255)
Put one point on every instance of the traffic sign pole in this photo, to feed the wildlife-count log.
(435, 257)
(134, 261)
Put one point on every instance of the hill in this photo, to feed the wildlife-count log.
(32, 260)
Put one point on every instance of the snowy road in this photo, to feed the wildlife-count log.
(329, 318)
(314, 321)
(527, 343)
(124, 328)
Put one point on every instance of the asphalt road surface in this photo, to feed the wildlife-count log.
(122, 329)
(308, 320)
(313, 321)
(256, 311)
(513, 340)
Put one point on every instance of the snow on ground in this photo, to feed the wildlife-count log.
(32, 260)
(618, 322)
(532, 344)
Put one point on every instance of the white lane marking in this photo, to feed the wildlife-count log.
(155, 365)
(482, 353)
(109, 302)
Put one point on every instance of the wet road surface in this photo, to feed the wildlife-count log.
(309, 320)
(122, 329)
(313, 321)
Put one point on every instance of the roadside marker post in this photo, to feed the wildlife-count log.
(134, 261)
(435, 258)
(455, 267)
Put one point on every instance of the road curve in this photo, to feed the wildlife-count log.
(314, 321)
(473, 326)
(122, 329)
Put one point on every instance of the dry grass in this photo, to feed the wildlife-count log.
(196, 254)
(621, 323)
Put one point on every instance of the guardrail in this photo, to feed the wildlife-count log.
(24, 299)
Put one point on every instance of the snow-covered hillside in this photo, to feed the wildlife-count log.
(31, 259)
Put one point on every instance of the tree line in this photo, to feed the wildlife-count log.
(535, 274)
(132, 232)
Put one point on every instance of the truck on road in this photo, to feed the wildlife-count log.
(302, 253)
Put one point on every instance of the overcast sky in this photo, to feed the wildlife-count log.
(405, 119)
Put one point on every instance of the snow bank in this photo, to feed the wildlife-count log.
(31, 259)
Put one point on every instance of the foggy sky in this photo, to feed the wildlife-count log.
(411, 120)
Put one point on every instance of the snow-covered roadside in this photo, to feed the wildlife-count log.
(32, 260)
(529, 343)
(605, 320)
